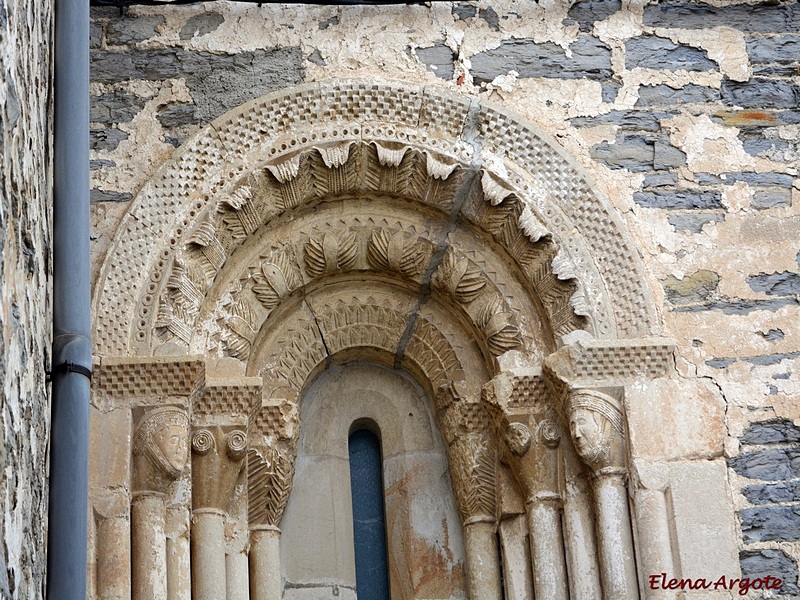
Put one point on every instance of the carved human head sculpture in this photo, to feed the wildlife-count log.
(160, 446)
(597, 427)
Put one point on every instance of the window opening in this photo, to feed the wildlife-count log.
(369, 522)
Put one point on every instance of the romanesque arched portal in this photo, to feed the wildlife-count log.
(392, 225)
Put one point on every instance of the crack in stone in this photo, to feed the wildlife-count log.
(469, 134)
(328, 357)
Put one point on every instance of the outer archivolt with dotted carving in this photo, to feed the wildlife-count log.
(305, 154)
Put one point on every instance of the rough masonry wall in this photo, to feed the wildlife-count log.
(684, 113)
(25, 313)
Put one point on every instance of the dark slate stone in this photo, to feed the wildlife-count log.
(760, 178)
(131, 30)
(115, 107)
(201, 25)
(587, 13)
(765, 147)
(438, 59)
(631, 152)
(106, 139)
(707, 178)
(630, 120)
(678, 199)
(774, 71)
(95, 34)
(761, 563)
(490, 16)
(740, 306)
(667, 156)
(760, 93)
(103, 12)
(323, 25)
(720, 363)
(316, 58)
(765, 18)
(216, 82)
(771, 359)
(768, 524)
(654, 95)
(750, 119)
(96, 165)
(608, 91)
(778, 49)
(464, 11)
(590, 59)
(176, 115)
(96, 196)
(772, 198)
(775, 464)
(776, 284)
(660, 180)
(773, 335)
(693, 223)
(652, 52)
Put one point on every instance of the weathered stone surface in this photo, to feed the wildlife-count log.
(765, 18)
(122, 31)
(100, 163)
(660, 179)
(693, 288)
(464, 11)
(776, 284)
(773, 493)
(693, 223)
(766, 147)
(778, 49)
(759, 178)
(201, 25)
(590, 59)
(216, 82)
(756, 119)
(771, 432)
(491, 17)
(639, 153)
(760, 93)
(771, 359)
(779, 523)
(106, 139)
(97, 195)
(634, 120)
(664, 95)
(772, 71)
(741, 306)
(772, 198)
(586, 13)
(95, 34)
(652, 52)
(608, 91)
(678, 199)
(768, 465)
(760, 563)
(177, 115)
(114, 107)
(438, 58)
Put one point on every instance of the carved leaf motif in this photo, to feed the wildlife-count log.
(186, 282)
(269, 475)
(563, 267)
(395, 251)
(437, 168)
(286, 170)
(241, 330)
(335, 156)
(460, 277)
(333, 251)
(390, 155)
(245, 218)
(276, 279)
(493, 189)
(498, 326)
(472, 464)
(531, 225)
(169, 320)
(205, 238)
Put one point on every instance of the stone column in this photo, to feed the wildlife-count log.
(270, 470)
(652, 526)
(159, 456)
(217, 459)
(598, 432)
(533, 458)
(472, 457)
(179, 578)
(112, 547)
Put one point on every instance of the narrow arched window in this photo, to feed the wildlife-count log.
(369, 523)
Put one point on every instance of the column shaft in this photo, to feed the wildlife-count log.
(615, 539)
(149, 555)
(179, 577)
(483, 562)
(265, 563)
(547, 550)
(113, 574)
(655, 546)
(208, 554)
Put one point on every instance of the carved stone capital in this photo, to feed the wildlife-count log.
(597, 427)
(217, 458)
(160, 442)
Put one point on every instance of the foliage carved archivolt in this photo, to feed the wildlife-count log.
(276, 279)
(459, 277)
(498, 325)
(334, 250)
(394, 250)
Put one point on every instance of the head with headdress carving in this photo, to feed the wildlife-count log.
(595, 420)
(162, 437)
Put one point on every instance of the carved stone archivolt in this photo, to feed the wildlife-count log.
(354, 221)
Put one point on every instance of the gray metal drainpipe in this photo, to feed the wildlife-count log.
(72, 345)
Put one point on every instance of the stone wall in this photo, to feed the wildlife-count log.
(25, 313)
(684, 113)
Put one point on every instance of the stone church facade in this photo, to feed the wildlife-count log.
(545, 252)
